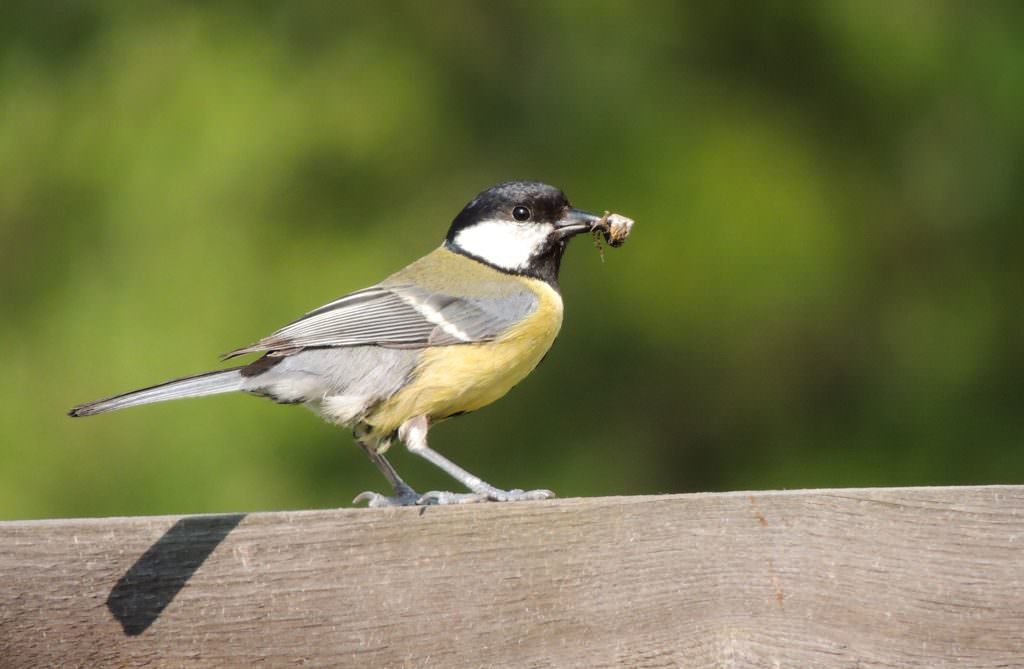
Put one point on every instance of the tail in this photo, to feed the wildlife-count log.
(210, 383)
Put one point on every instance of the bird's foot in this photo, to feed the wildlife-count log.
(405, 496)
(488, 495)
(443, 497)
(408, 497)
(517, 495)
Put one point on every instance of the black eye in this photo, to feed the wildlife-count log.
(521, 213)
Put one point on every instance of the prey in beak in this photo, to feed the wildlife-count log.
(615, 227)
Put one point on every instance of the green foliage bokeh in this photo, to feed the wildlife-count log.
(822, 289)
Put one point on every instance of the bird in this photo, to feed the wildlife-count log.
(448, 334)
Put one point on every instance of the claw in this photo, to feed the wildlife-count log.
(376, 500)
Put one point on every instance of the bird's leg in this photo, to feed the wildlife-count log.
(413, 434)
(404, 494)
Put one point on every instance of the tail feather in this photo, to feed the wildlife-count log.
(210, 383)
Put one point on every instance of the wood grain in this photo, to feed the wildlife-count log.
(917, 577)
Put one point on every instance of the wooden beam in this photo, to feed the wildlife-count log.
(915, 577)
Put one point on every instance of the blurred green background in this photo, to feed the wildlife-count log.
(823, 287)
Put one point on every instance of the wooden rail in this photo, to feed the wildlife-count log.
(913, 577)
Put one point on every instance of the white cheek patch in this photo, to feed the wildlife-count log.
(503, 243)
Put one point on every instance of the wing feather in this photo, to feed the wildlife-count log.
(399, 316)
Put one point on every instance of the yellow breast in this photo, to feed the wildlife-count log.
(465, 377)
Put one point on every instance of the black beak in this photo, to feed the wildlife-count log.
(574, 222)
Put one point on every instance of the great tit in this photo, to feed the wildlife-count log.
(449, 334)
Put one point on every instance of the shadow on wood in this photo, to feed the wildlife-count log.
(148, 587)
(914, 577)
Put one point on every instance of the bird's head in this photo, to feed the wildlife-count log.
(519, 227)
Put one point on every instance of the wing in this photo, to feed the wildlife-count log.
(399, 316)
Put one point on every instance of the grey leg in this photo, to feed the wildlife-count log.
(414, 434)
(404, 494)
